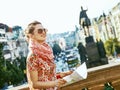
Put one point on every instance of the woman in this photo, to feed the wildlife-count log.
(41, 73)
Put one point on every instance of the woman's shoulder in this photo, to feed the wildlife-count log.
(31, 56)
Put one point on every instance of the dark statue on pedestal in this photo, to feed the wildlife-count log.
(84, 21)
(102, 52)
(95, 52)
(82, 52)
(101, 49)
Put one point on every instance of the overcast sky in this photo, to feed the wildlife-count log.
(56, 15)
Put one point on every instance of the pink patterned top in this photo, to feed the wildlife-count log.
(40, 59)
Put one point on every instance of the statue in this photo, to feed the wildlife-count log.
(84, 21)
(101, 49)
(82, 52)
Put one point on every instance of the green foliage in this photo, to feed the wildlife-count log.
(2, 68)
(111, 46)
(108, 86)
(22, 62)
(12, 74)
(16, 74)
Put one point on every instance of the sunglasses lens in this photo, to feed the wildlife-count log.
(40, 31)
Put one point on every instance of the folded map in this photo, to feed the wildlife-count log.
(79, 74)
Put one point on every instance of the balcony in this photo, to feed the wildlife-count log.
(97, 77)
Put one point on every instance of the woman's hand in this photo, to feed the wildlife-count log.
(60, 82)
(63, 74)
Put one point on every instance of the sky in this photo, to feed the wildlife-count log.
(56, 15)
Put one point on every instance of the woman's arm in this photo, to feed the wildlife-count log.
(38, 84)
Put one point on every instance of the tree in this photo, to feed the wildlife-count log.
(16, 29)
(2, 68)
(6, 27)
(56, 49)
(112, 46)
(10, 74)
(16, 74)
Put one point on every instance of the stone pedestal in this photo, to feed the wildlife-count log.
(94, 58)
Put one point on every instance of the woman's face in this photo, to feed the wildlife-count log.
(40, 33)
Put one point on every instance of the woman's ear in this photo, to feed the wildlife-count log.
(31, 35)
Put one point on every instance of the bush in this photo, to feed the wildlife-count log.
(111, 46)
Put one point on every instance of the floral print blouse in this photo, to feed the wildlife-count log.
(41, 60)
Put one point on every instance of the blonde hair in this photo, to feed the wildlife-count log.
(30, 29)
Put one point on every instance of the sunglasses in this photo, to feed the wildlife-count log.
(40, 31)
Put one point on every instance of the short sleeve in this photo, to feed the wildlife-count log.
(32, 62)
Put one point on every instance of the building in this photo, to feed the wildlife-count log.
(13, 47)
